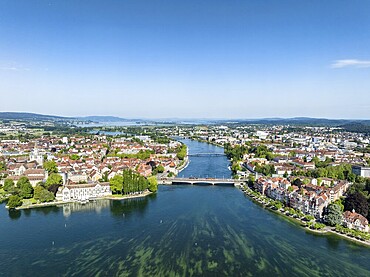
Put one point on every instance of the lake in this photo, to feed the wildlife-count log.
(181, 231)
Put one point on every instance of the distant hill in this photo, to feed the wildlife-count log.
(31, 116)
(97, 118)
(357, 127)
(349, 125)
(302, 121)
(42, 117)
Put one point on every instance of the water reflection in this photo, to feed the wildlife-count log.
(117, 207)
(14, 214)
(95, 206)
(125, 208)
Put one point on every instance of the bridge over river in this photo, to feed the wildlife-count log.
(206, 155)
(201, 181)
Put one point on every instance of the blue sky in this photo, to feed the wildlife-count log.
(191, 59)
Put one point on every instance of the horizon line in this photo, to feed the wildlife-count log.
(186, 118)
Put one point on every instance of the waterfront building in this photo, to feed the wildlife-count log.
(83, 192)
(309, 198)
(353, 220)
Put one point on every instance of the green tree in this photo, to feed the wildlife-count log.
(9, 186)
(116, 184)
(53, 179)
(351, 177)
(251, 180)
(74, 157)
(25, 188)
(278, 205)
(43, 195)
(153, 184)
(50, 166)
(160, 169)
(181, 154)
(334, 215)
(2, 166)
(14, 201)
(235, 167)
(358, 202)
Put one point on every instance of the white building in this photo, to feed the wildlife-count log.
(83, 192)
(361, 171)
(35, 155)
(262, 134)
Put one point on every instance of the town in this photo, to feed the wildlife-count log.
(318, 174)
(53, 169)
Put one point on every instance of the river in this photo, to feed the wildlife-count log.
(181, 231)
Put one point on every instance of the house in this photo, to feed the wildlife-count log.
(302, 164)
(338, 190)
(145, 170)
(261, 185)
(35, 176)
(353, 220)
(77, 177)
(95, 175)
(17, 169)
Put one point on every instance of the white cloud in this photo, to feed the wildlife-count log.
(350, 63)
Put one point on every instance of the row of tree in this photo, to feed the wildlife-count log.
(131, 182)
(141, 155)
(181, 151)
(339, 172)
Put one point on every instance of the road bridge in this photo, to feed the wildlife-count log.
(201, 181)
(206, 155)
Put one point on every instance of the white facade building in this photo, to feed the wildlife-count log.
(83, 192)
(361, 171)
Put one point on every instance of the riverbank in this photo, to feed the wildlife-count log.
(353, 239)
(58, 203)
(41, 205)
(184, 165)
(122, 197)
(206, 141)
(302, 223)
(246, 190)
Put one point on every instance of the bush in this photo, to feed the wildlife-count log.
(318, 226)
(14, 201)
(309, 217)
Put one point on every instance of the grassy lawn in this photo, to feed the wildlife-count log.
(27, 202)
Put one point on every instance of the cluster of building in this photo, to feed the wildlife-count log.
(310, 198)
(85, 163)
(294, 147)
